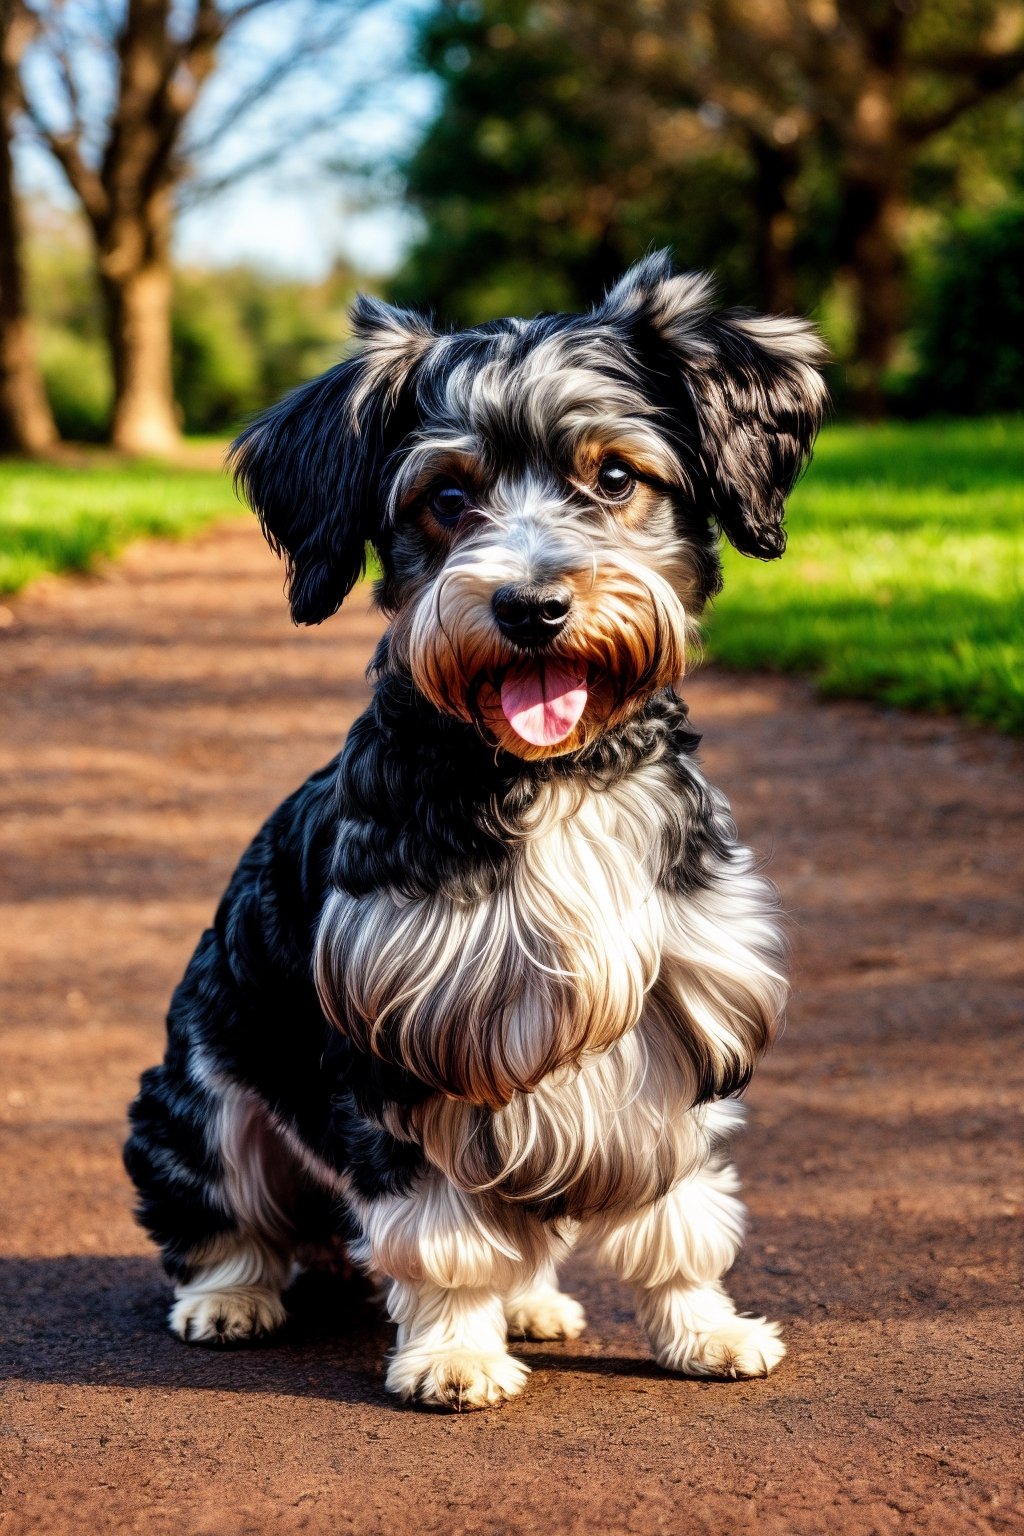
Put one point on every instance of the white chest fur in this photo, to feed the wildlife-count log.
(571, 1016)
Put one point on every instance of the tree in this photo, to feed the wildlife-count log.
(784, 133)
(876, 82)
(26, 421)
(547, 170)
(127, 165)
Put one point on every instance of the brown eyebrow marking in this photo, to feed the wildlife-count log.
(444, 464)
(651, 482)
(635, 449)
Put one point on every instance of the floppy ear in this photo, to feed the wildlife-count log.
(754, 386)
(311, 466)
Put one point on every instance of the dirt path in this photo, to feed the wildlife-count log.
(150, 719)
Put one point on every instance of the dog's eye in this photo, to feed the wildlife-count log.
(615, 480)
(448, 501)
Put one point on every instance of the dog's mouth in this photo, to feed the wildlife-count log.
(543, 698)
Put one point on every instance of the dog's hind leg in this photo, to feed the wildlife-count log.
(216, 1185)
(234, 1291)
(675, 1252)
(234, 1294)
(537, 1309)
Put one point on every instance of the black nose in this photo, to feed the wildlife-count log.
(531, 616)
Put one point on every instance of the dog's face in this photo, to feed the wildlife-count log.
(544, 495)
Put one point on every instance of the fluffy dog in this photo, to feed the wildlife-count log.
(489, 983)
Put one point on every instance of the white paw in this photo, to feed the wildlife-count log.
(225, 1317)
(459, 1379)
(545, 1315)
(737, 1347)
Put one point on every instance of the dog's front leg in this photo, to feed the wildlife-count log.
(233, 1294)
(448, 1259)
(451, 1348)
(675, 1253)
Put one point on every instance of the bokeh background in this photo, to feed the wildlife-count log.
(191, 191)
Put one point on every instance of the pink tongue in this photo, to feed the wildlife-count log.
(543, 700)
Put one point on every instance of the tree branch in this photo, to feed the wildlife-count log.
(200, 190)
(988, 74)
(66, 149)
(62, 59)
(230, 19)
(257, 93)
(975, 63)
(198, 51)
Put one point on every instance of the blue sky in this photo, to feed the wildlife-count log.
(301, 213)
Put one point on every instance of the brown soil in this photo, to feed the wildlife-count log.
(152, 716)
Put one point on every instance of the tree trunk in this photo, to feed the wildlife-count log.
(874, 218)
(26, 421)
(133, 231)
(876, 181)
(135, 267)
(775, 172)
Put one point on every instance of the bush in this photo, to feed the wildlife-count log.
(65, 296)
(76, 371)
(216, 365)
(970, 327)
(242, 338)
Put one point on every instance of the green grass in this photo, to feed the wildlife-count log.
(903, 577)
(61, 517)
(902, 582)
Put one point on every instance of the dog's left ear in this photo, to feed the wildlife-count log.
(311, 466)
(752, 383)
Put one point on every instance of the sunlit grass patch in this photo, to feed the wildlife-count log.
(903, 577)
(61, 517)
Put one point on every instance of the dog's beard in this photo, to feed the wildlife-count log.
(626, 639)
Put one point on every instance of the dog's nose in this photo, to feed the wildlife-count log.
(531, 616)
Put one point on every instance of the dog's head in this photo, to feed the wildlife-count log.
(544, 495)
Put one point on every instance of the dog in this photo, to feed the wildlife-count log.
(488, 985)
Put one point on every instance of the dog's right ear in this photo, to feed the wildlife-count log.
(752, 385)
(310, 467)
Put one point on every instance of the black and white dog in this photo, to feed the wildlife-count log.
(487, 985)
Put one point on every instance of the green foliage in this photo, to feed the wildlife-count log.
(573, 135)
(216, 362)
(903, 577)
(538, 181)
(970, 346)
(76, 372)
(66, 301)
(61, 518)
(242, 339)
